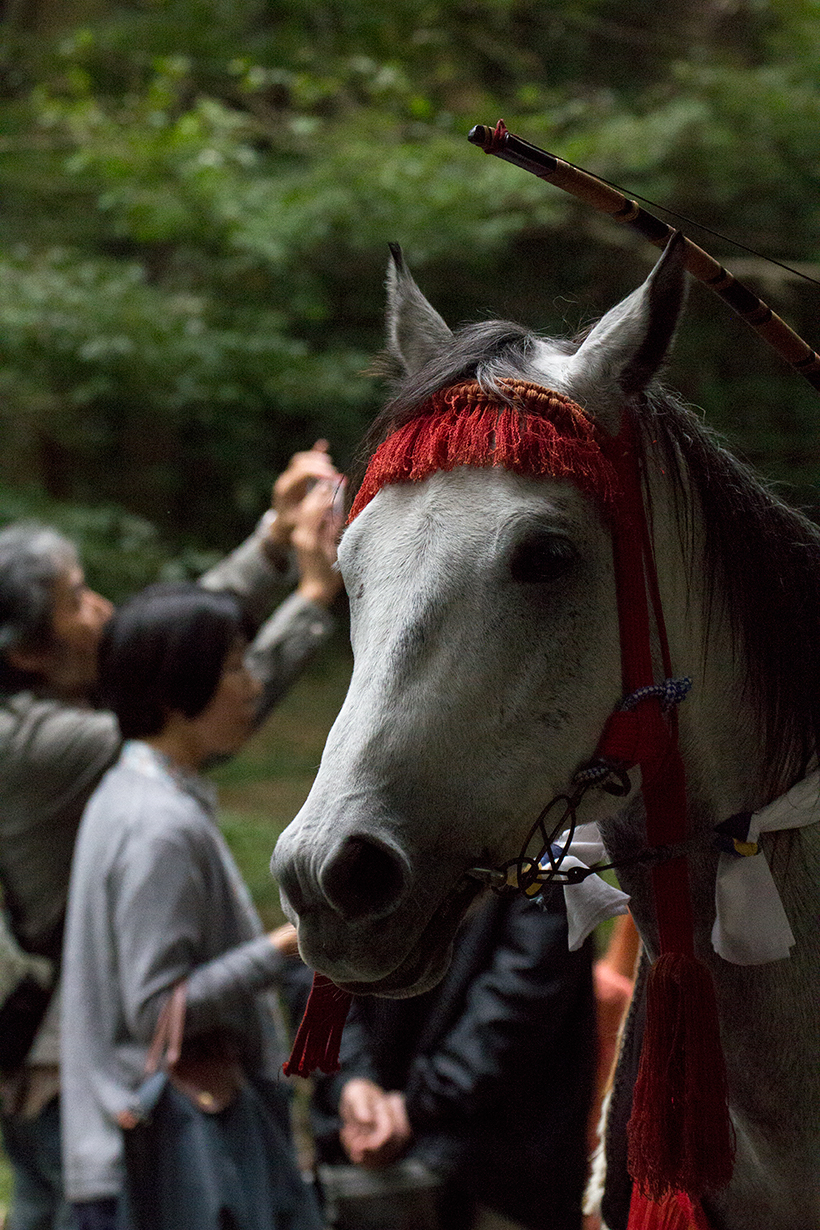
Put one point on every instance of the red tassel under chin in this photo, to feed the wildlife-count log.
(680, 1133)
(319, 1036)
(675, 1212)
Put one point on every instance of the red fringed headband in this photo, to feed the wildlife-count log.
(527, 429)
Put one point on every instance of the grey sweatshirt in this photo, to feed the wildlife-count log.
(155, 896)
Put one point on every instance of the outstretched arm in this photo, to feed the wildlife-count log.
(288, 640)
(262, 568)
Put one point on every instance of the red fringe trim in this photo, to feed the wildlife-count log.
(542, 432)
(319, 1036)
(674, 1212)
(680, 1133)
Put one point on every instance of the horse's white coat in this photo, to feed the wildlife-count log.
(421, 736)
(473, 700)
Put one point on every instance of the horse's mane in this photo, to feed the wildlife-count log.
(764, 555)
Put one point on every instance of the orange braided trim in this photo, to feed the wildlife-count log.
(536, 432)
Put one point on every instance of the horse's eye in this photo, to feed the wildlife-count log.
(541, 557)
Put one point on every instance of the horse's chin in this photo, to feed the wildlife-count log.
(427, 962)
(413, 977)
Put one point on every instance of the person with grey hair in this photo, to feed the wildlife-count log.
(55, 747)
(32, 559)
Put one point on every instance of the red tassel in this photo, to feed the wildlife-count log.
(680, 1132)
(317, 1041)
(674, 1212)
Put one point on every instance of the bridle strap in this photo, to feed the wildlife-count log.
(628, 547)
(663, 778)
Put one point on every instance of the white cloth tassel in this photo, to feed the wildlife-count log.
(593, 900)
(751, 926)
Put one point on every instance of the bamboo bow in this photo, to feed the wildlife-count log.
(705, 268)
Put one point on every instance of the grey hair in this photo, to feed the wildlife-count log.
(32, 557)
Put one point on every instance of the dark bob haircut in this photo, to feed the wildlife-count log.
(164, 651)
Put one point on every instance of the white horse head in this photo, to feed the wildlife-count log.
(486, 649)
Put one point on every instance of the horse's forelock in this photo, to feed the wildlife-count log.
(489, 352)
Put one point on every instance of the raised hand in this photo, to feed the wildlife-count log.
(293, 484)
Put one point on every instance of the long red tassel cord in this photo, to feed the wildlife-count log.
(681, 1141)
(680, 1132)
(676, 1211)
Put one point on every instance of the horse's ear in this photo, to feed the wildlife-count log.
(415, 331)
(628, 346)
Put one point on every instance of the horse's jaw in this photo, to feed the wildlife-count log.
(377, 908)
(473, 701)
(404, 951)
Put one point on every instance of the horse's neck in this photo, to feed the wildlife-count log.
(721, 736)
(721, 739)
(769, 1013)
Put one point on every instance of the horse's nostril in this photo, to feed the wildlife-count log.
(291, 890)
(363, 878)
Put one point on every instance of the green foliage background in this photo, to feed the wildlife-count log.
(195, 202)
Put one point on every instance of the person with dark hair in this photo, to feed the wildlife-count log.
(55, 746)
(176, 640)
(156, 900)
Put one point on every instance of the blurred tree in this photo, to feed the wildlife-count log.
(196, 198)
